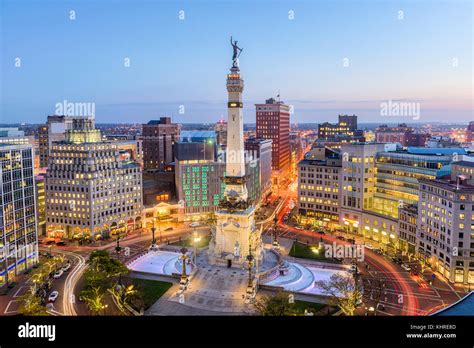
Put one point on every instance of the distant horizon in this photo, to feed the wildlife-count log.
(140, 59)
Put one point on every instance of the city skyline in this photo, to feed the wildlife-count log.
(176, 71)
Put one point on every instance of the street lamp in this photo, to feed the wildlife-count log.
(196, 239)
(250, 259)
(183, 283)
(275, 243)
(153, 241)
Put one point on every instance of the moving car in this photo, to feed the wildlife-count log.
(58, 274)
(53, 296)
(397, 260)
(406, 267)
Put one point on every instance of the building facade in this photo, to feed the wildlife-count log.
(446, 224)
(18, 223)
(54, 130)
(158, 138)
(346, 127)
(260, 152)
(90, 191)
(273, 122)
(319, 181)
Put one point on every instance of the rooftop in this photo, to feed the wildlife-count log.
(448, 184)
(436, 151)
(464, 163)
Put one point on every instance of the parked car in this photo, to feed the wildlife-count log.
(169, 229)
(61, 243)
(49, 242)
(53, 296)
(66, 267)
(58, 274)
(397, 260)
(406, 267)
(320, 232)
(370, 246)
(379, 251)
(341, 238)
(299, 227)
(351, 240)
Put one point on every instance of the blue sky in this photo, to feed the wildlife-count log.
(177, 62)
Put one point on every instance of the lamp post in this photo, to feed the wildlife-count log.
(195, 240)
(153, 241)
(183, 283)
(275, 237)
(250, 291)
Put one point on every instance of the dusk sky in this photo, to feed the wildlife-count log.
(425, 57)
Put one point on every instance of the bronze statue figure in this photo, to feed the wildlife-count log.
(237, 51)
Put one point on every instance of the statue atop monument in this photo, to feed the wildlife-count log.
(236, 53)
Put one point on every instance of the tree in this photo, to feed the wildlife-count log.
(278, 305)
(103, 270)
(31, 302)
(344, 291)
(374, 288)
(31, 305)
(101, 276)
(94, 299)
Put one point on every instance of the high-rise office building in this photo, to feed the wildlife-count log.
(344, 131)
(158, 138)
(198, 179)
(54, 130)
(350, 121)
(90, 190)
(273, 122)
(399, 134)
(446, 223)
(221, 133)
(261, 150)
(319, 180)
(18, 224)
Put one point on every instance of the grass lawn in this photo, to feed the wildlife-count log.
(314, 307)
(152, 290)
(307, 252)
(189, 242)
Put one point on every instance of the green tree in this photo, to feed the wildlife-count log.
(344, 292)
(281, 304)
(94, 299)
(31, 305)
(102, 276)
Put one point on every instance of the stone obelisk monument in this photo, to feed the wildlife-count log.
(236, 236)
